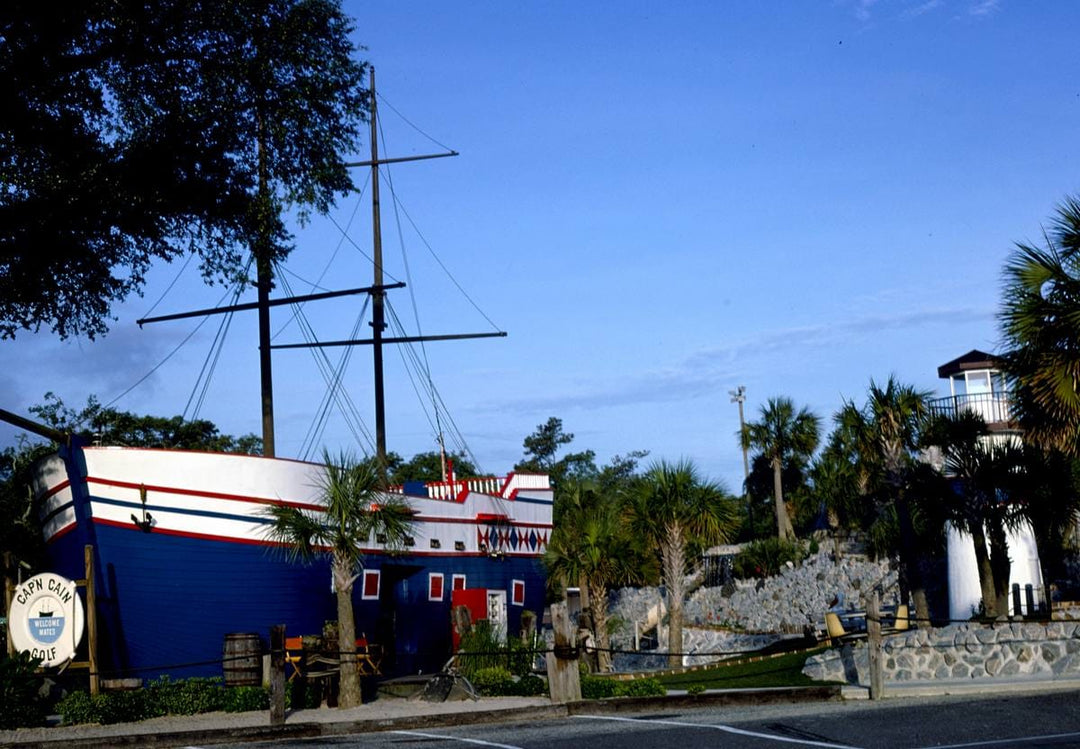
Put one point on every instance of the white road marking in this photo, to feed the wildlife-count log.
(721, 727)
(456, 738)
(1012, 742)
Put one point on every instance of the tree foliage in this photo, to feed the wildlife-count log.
(676, 511)
(1040, 321)
(132, 132)
(426, 466)
(786, 437)
(882, 441)
(110, 426)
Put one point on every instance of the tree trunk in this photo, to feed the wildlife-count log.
(1001, 564)
(598, 609)
(673, 559)
(986, 571)
(909, 556)
(349, 693)
(784, 531)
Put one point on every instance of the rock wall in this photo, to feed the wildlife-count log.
(796, 598)
(959, 652)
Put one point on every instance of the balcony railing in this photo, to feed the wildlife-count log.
(994, 408)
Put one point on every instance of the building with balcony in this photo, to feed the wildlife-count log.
(976, 385)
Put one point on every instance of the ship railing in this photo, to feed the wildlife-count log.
(492, 485)
(994, 408)
(449, 490)
(517, 481)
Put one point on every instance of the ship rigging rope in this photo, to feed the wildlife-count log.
(326, 268)
(171, 284)
(168, 356)
(332, 377)
(206, 374)
(412, 361)
(409, 123)
(421, 362)
(425, 369)
(360, 249)
(335, 393)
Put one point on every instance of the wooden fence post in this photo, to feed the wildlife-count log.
(873, 632)
(91, 620)
(564, 679)
(9, 593)
(277, 674)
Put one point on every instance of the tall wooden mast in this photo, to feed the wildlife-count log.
(378, 319)
(377, 290)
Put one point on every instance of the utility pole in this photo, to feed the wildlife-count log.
(738, 395)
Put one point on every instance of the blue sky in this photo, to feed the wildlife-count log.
(659, 202)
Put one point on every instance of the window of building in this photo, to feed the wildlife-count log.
(370, 591)
(435, 586)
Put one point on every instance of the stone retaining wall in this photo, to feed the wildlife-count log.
(959, 651)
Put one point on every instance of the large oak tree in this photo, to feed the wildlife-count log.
(134, 132)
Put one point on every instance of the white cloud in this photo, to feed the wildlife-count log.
(983, 7)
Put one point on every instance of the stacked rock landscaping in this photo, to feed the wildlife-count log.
(1002, 650)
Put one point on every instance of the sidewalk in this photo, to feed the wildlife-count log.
(388, 713)
(944, 687)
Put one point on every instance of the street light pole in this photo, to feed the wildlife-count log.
(738, 395)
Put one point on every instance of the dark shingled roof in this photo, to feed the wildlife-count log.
(973, 359)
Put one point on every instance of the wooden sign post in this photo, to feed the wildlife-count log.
(873, 632)
(564, 679)
(277, 674)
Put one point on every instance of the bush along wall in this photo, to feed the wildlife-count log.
(181, 697)
(20, 692)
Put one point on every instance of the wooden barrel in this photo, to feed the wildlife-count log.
(242, 659)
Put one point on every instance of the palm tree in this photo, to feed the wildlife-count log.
(782, 435)
(591, 545)
(1048, 497)
(675, 510)
(885, 436)
(355, 511)
(1040, 321)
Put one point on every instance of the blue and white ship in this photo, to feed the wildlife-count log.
(182, 556)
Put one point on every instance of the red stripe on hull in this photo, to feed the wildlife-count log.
(207, 494)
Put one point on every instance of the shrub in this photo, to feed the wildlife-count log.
(302, 696)
(494, 681)
(530, 685)
(125, 707)
(482, 648)
(245, 699)
(19, 687)
(695, 689)
(639, 688)
(187, 696)
(78, 707)
(765, 557)
(597, 687)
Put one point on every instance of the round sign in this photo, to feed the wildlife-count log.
(46, 618)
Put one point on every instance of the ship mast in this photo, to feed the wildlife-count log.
(378, 297)
(378, 319)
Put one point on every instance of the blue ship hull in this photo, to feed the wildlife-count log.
(168, 595)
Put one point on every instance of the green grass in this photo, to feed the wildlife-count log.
(775, 671)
